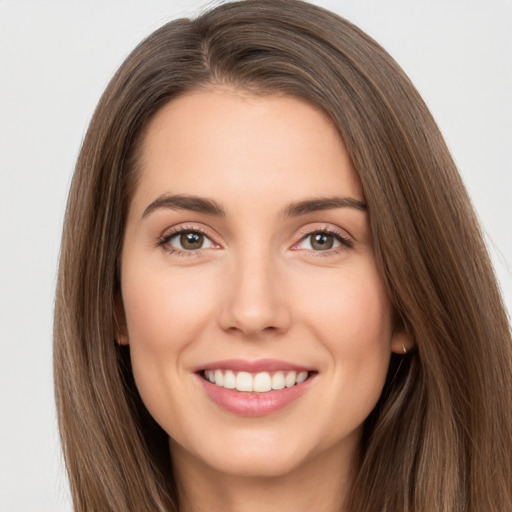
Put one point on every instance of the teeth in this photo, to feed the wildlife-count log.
(301, 377)
(290, 379)
(219, 378)
(261, 382)
(278, 380)
(243, 381)
(229, 380)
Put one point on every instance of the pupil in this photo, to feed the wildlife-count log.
(321, 241)
(191, 240)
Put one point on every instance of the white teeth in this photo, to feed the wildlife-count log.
(229, 380)
(301, 377)
(261, 382)
(278, 380)
(290, 379)
(219, 378)
(244, 381)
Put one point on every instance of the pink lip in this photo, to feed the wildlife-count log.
(259, 365)
(254, 404)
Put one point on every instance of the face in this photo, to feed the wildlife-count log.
(259, 328)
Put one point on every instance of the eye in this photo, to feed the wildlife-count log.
(323, 241)
(186, 241)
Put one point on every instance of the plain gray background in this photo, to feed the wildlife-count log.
(56, 57)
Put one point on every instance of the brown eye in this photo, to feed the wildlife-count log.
(190, 240)
(324, 241)
(321, 241)
(186, 241)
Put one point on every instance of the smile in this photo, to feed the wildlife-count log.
(261, 382)
(255, 388)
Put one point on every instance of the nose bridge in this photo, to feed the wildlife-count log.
(255, 300)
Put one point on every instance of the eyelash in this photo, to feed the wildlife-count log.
(345, 242)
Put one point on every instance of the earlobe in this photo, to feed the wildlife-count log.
(121, 332)
(401, 342)
(122, 339)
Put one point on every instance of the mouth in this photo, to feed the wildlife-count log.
(260, 382)
(257, 387)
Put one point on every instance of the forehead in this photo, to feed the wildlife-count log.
(237, 146)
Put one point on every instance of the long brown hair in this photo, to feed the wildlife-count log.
(440, 438)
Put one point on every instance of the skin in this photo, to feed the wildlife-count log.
(256, 289)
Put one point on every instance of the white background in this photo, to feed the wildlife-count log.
(56, 57)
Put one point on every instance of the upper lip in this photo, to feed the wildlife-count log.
(253, 366)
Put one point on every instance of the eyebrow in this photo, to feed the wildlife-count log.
(185, 202)
(211, 207)
(323, 203)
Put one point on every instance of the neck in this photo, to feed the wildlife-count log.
(322, 485)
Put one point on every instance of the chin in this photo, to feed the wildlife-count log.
(260, 465)
(259, 453)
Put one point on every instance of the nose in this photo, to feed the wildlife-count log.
(255, 302)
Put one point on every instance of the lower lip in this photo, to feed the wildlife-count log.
(254, 404)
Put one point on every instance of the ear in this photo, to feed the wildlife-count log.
(401, 341)
(121, 331)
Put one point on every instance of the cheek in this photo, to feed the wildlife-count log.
(353, 322)
(350, 309)
(165, 313)
(164, 309)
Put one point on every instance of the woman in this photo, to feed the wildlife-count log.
(266, 220)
